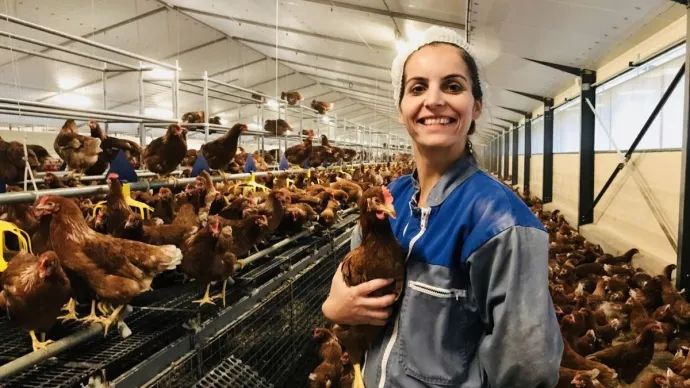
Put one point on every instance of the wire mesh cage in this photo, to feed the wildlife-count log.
(274, 339)
(232, 373)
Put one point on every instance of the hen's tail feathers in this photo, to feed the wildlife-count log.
(175, 256)
(93, 145)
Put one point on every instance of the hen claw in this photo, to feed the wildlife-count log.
(70, 309)
(36, 344)
(206, 299)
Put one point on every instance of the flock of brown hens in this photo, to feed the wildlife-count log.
(92, 155)
(620, 325)
(107, 255)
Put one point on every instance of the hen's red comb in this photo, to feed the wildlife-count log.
(113, 175)
(387, 196)
(43, 200)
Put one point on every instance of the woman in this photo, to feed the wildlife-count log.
(476, 309)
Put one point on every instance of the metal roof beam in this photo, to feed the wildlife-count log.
(330, 70)
(282, 28)
(383, 12)
(300, 51)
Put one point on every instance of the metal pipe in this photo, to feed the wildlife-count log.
(61, 113)
(20, 103)
(40, 55)
(29, 360)
(142, 130)
(231, 86)
(206, 111)
(87, 42)
(188, 91)
(219, 92)
(176, 90)
(241, 263)
(67, 50)
(105, 92)
(85, 191)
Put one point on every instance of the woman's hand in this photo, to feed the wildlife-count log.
(353, 305)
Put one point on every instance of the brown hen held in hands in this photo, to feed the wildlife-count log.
(379, 256)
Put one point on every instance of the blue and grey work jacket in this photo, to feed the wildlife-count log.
(476, 309)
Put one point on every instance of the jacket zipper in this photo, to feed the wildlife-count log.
(437, 291)
(394, 335)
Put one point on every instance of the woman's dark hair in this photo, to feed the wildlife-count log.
(477, 92)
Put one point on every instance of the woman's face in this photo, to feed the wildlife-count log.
(437, 105)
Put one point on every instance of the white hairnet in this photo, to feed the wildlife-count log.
(430, 35)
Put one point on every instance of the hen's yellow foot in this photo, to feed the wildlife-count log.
(70, 308)
(91, 317)
(206, 299)
(36, 344)
(107, 322)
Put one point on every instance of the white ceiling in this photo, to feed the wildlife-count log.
(336, 51)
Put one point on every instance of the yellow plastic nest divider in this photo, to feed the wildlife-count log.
(143, 209)
(250, 186)
(22, 237)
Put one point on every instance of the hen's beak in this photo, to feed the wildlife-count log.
(41, 210)
(388, 210)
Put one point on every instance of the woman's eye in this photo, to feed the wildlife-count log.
(455, 88)
(417, 89)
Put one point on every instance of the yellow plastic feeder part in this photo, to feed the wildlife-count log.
(23, 239)
(143, 209)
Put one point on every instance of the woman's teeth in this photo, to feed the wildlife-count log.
(437, 121)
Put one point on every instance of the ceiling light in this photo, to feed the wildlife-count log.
(159, 112)
(66, 83)
(326, 119)
(72, 99)
(160, 73)
(271, 103)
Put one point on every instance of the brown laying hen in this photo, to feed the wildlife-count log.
(322, 107)
(277, 127)
(78, 151)
(34, 291)
(379, 256)
(207, 256)
(219, 153)
(117, 270)
(164, 154)
(111, 146)
(292, 98)
(300, 153)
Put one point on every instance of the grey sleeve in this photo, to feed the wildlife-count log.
(522, 346)
(356, 239)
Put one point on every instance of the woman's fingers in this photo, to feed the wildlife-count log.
(378, 302)
(383, 314)
(367, 288)
(375, 322)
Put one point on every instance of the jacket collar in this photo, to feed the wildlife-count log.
(456, 174)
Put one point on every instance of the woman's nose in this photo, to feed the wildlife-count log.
(434, 97)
